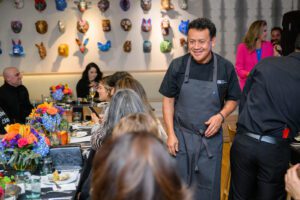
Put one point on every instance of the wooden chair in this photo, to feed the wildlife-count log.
(225, 194)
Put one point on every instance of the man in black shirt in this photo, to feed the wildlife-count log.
(269, 119)
(14, 97)
(195, 88)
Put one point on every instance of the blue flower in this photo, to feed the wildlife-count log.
(58, 95)
(41, 147)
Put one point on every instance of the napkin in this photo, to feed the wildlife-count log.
(81, 139)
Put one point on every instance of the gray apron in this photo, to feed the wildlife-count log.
(198, 158)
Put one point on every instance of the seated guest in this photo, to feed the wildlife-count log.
(90, 78)
(136, 166)
(131, 83)
(135, 122)
(4, 120)
(14, 97)
(123, 103)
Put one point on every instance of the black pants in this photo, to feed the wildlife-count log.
(258, 169)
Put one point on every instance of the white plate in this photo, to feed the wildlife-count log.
(79, 134)
(72, 178)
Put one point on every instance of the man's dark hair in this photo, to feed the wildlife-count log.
(276, 28)
(203, 23)
(297, 42)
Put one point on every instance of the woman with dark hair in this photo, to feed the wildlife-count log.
(252, 50)
(136, 165)
(90, 78)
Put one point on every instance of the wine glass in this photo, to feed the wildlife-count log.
(92, 94)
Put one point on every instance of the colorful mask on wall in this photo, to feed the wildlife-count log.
(104, 47)
(166, 5)
(19, 4)
(17, 49)
(61, 5)
(165, 25)
(42, 50)
(106, 25)
(63, 50)
(126, 24)
(0, 48)
(165, 46)
(103, 5)
(83, 26)
(147, 46)
(82, 46)
(127, 46)
(125, 5)
(40, 5)
(61, 26)
(183, 26)
(183, 4)
(16, 26)
(183, 43)
(41, 26)
(146, 5)
(146, 25)
(82, 5)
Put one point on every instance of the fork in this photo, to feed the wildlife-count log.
(65, 192)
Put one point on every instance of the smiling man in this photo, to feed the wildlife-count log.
(14, 97)
(200, 90)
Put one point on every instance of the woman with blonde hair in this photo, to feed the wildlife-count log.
(136, 165)
(252, 50)
(134, 123)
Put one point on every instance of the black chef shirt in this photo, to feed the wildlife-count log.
(227, 81)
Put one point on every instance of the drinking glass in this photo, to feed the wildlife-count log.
(92, 94)
(35, 187)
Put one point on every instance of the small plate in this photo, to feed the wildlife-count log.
(79, 134)
(72, 178)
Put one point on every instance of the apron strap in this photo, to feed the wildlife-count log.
(215, 73)
(187, 70)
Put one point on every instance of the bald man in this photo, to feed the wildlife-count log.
(14, 97)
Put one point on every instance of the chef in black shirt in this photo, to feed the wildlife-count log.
(14, 97)
(269, 118)
(200, 89)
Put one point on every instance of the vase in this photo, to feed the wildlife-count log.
(54, 139)
(31, 166)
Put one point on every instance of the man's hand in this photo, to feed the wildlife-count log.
(172, 144)
(213, 125)
(95, 119)
(292, 181)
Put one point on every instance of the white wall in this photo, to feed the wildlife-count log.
(227, 15)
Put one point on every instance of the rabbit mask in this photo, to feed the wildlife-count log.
(146, 25)
(17, 49)
(183, 26)
(42, 50)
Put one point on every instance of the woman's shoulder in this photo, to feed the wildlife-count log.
(267, 44)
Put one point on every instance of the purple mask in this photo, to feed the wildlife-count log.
(16, 26)
(125, 5)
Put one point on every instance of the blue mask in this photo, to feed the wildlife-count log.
(104, 47)
(183, 26)
(61, 5)
(17, 49)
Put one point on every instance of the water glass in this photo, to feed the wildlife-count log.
(47, 166)
(76, 116)
(35, 187)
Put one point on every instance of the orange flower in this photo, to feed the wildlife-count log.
(31, 138)
(52, 111)
(13, 128)
(9, 136)
(24, 131)
(47, 141)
